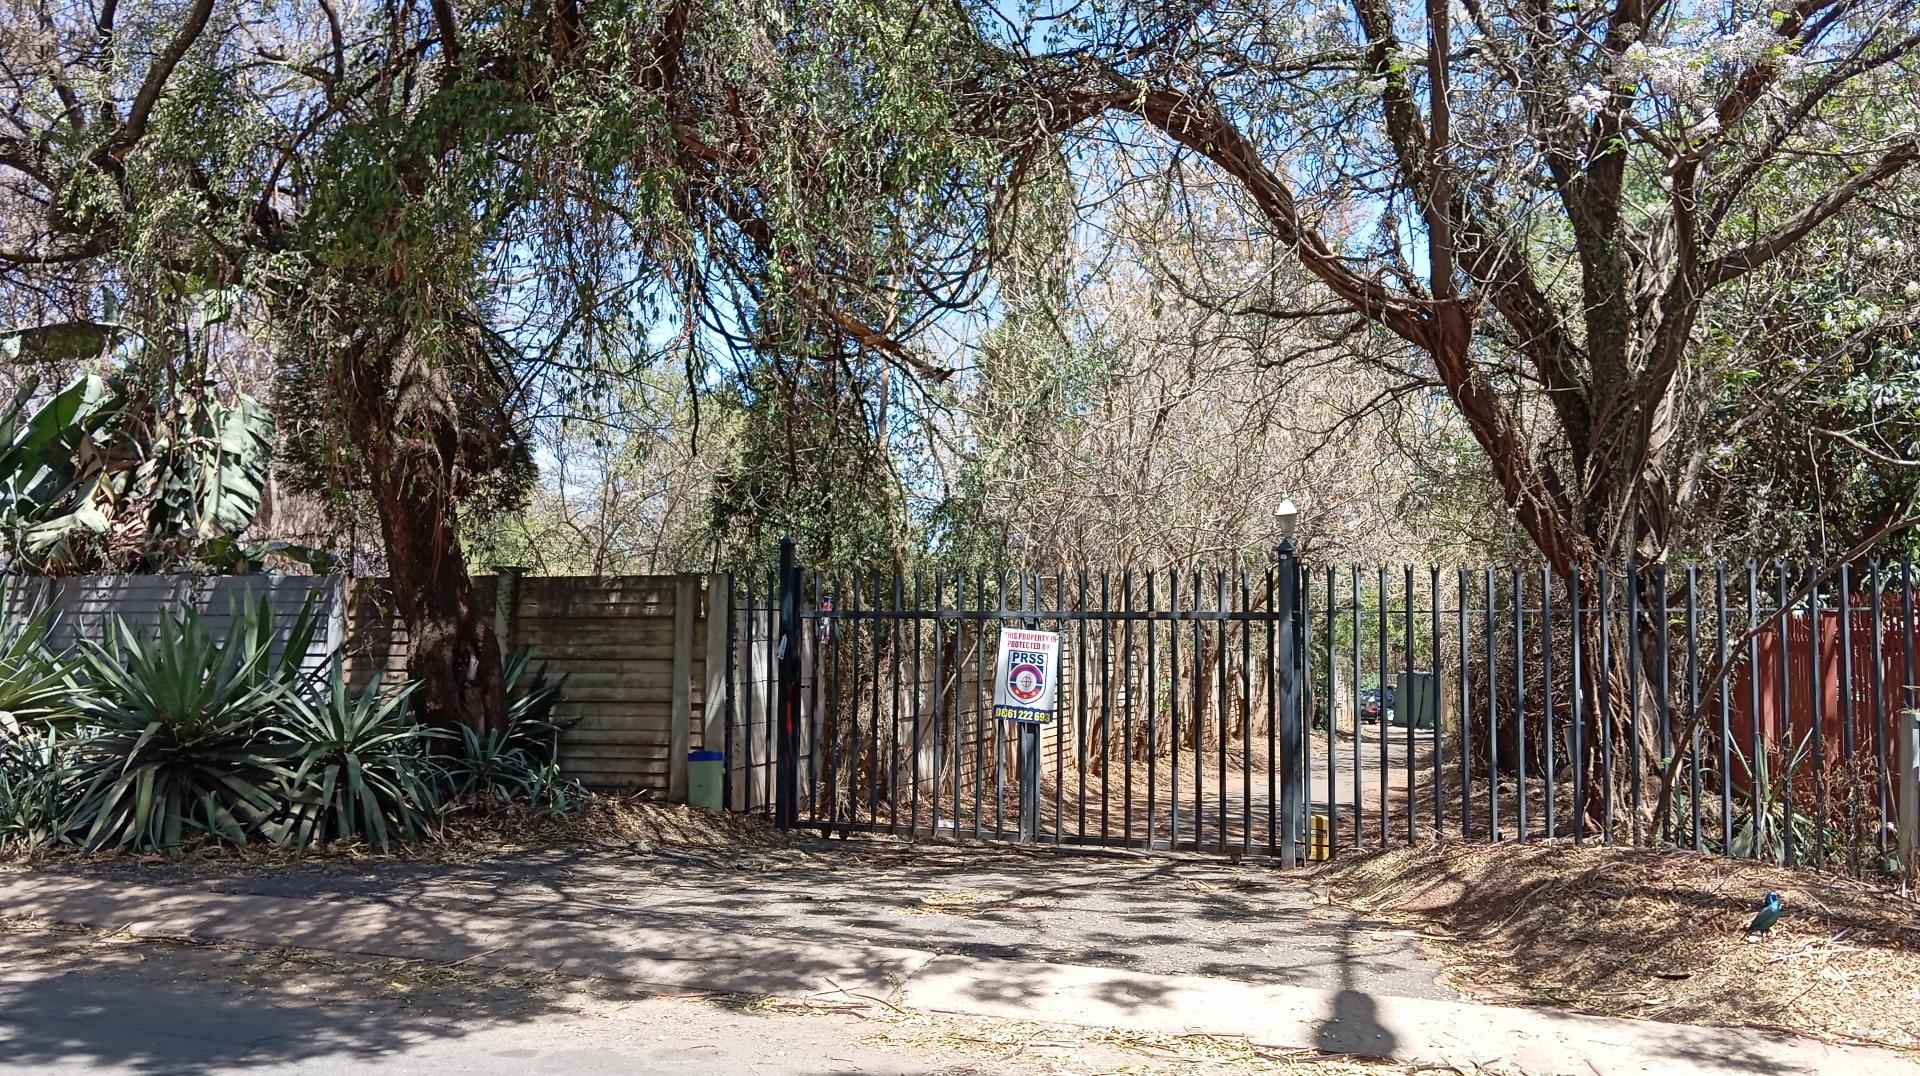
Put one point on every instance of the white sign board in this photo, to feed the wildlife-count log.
(1026, 677)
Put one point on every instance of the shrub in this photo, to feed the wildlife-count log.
(36, 684)
(179, 747)
(363, 769)
(38, 790)
(519, 764)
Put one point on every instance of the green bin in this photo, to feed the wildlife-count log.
(703, 778)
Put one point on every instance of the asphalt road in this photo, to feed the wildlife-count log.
(74, 1002)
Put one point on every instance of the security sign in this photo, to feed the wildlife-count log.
(1026, 675)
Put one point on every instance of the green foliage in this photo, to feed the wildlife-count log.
(156, 741)
(363, 768)
(1763, 830)
(520, 763)
(38, 786)
(36, 684)
(107, 476)
(179, 749)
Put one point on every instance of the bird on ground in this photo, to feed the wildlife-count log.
(1767, 916)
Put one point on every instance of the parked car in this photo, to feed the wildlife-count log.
(1376, 704)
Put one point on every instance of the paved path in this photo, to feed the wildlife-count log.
(1345, 1020)
(1150, 914)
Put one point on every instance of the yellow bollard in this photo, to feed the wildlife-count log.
(1319, 843)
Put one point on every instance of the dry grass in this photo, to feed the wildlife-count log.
(1654, 934)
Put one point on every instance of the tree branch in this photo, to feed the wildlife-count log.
(1736, 263)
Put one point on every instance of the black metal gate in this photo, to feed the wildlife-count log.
(1178, 721)
(1276, 712)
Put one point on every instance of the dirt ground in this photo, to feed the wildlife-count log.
(214, 1008)
(1653, 934)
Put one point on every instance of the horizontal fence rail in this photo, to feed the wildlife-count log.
(1304, 711)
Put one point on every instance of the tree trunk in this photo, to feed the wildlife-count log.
(412, 437)
(454, 655)
(1611, 751)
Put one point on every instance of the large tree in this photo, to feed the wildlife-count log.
(1548, 204)
(448, 210)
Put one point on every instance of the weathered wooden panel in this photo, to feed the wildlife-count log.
(613, 639)
(88, 606)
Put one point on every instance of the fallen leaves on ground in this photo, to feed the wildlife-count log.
(1654, 934)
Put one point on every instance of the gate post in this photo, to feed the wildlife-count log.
(786, 796)
(1291, 653)
(1908, 831)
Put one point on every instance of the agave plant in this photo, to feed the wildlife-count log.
(37, 787)
(364, 768)
(531, 697)
(36, 684)
(519, 764)
(1772, 815)
(179, 749)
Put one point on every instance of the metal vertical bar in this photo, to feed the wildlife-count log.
(999, 730)
(1754, 745)
(733, 689)
(1359, 725)
(1439, 706)
(1246, 711)
(1693, 702)
(1333, 719)
(748, 771)
(1906, 631)
(1173, 707)
(1466, 723)
(1380, 684)
(1879, 683)
(1106, 705)
(1846, 698)
(1082, 684)
(786, 771)
(1153, 710)
(939, 691)
(1632, 643)
(1306, 692)
(1126, 740)
(1786, 709)
(854, 629)
(1725, 689)
(813, 679)
(829, 647)
(1604, 715)
(1405, 713)
(982, 717)
(1520, 699)
(1667, 746)
(1199, 708)
(1908, 809)
(955, 717)
(1817, 684)
(1291, 664)
(874, 592)
(1275, 699)
(1575, 614)
(1846, 664)
(1546, 687)
(1220, 703)
(772, 722)
(919, 602)
(1059, 741)
(1493, 720)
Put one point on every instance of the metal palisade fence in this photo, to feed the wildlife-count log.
(1298, 711)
